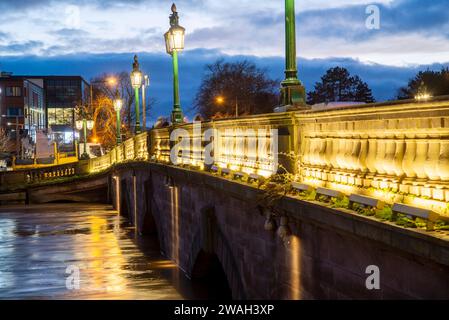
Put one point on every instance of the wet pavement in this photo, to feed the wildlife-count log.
(75, 251)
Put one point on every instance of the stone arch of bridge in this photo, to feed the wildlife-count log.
(211, 257)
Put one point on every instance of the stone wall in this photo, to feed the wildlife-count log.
(326, 254)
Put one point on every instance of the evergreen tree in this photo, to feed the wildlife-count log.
(436, 83)
(338, 85)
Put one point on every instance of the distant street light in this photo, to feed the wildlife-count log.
(136, 82)
(16, 131)
(422, 94)
(118, 104)
(145, 85)
(84, 124)
(112, 81)
(221, 100)
(174, 42)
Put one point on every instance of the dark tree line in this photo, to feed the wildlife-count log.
(227, 84)
(435, 83)
(338, 85)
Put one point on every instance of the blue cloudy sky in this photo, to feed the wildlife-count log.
(91, 37)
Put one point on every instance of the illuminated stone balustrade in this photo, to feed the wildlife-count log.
(248, 145)
(399, 152)
(396, 152)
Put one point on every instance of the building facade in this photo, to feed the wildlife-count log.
(63, 94)
(46, 104)
(22, 109)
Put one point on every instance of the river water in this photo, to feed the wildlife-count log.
(76, 251)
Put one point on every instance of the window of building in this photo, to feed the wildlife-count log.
(60, 116)
(51, 116)
(13, 91)
(14, 111)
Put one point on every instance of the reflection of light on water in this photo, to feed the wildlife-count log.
(294, 267)
(7, 227)
(102, 273)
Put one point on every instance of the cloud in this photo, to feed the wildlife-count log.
(325, 28)
(25, 48)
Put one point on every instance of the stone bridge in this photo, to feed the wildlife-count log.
(296, 235)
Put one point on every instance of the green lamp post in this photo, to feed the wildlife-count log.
(292, 91)
(84, 125)
(174, 42)
(136, 82)
(118, 104)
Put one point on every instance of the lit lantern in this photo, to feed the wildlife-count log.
(136, 75)
(174, 37)
(79, 125)
(118, 104)
(90, 124)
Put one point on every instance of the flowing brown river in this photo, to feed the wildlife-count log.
(75, 251)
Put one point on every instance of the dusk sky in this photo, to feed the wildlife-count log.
(98, 36)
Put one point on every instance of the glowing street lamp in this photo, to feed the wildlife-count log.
(174, 43)
(79, 125)
(219, 100)
(136, 82)
(84, 125)
(90, 124)
(118, 104)
(145, 85)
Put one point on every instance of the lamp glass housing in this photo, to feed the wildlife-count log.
(174, 39)
(136, 79)
(90, 124)
(118, 104)
(79, 125)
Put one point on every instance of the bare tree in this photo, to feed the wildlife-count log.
(103, 112)
(4, 140)
(228, 87)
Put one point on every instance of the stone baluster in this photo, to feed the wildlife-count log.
(388, 161)
(422, 148)
(329, 152)
(408, 162)
(398, 158)
(371, 156)
(443, 161)
(432, 159)
(380, 156)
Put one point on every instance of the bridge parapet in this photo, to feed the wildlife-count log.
(251, 145)
(395, 152)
